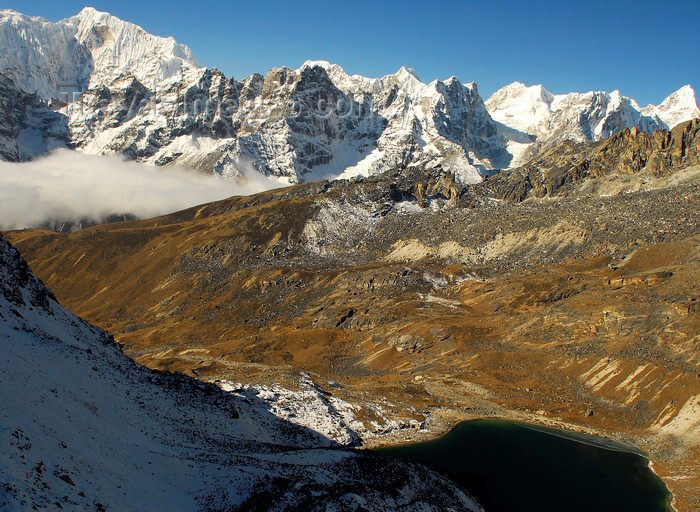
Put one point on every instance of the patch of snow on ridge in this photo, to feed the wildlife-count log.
(339, 226)
(315, 409)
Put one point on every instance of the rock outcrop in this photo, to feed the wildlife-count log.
(560, 170)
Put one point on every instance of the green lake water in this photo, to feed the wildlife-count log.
(513, 466)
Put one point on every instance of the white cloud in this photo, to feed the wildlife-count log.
(68, 185)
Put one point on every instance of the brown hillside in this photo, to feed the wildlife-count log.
(578, 311)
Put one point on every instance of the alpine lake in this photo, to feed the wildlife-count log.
(514, 466)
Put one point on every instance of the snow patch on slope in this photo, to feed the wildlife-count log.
(338, 226)
(315, 409)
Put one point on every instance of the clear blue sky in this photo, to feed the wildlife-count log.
(645, 49)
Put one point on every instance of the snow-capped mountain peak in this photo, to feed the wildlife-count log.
(678, 107)
(521, 107)
(533, 119)
(406, 74)
(119, 47)
(409, 81)
(60, 60)
(41, 56)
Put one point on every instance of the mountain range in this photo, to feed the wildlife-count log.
(101, 85)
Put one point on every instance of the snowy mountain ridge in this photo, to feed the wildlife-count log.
(160, 107)
(314, 122)
(60, 60)
(533, 119)
(128, 92)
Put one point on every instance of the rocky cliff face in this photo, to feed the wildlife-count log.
(29, 126)
(563, 169)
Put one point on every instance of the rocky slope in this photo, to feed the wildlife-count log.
(630, 158)
(533, 119)
(84, 427)
(445, 300)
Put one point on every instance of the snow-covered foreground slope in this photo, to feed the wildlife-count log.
(533, 119)
(82, 427)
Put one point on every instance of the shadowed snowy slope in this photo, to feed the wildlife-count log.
(82, 427)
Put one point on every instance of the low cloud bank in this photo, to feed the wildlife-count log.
(72, 187)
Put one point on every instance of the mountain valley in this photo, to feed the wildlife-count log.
(428, 257)
(568, 307)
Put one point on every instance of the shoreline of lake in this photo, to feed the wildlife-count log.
(600, 450)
